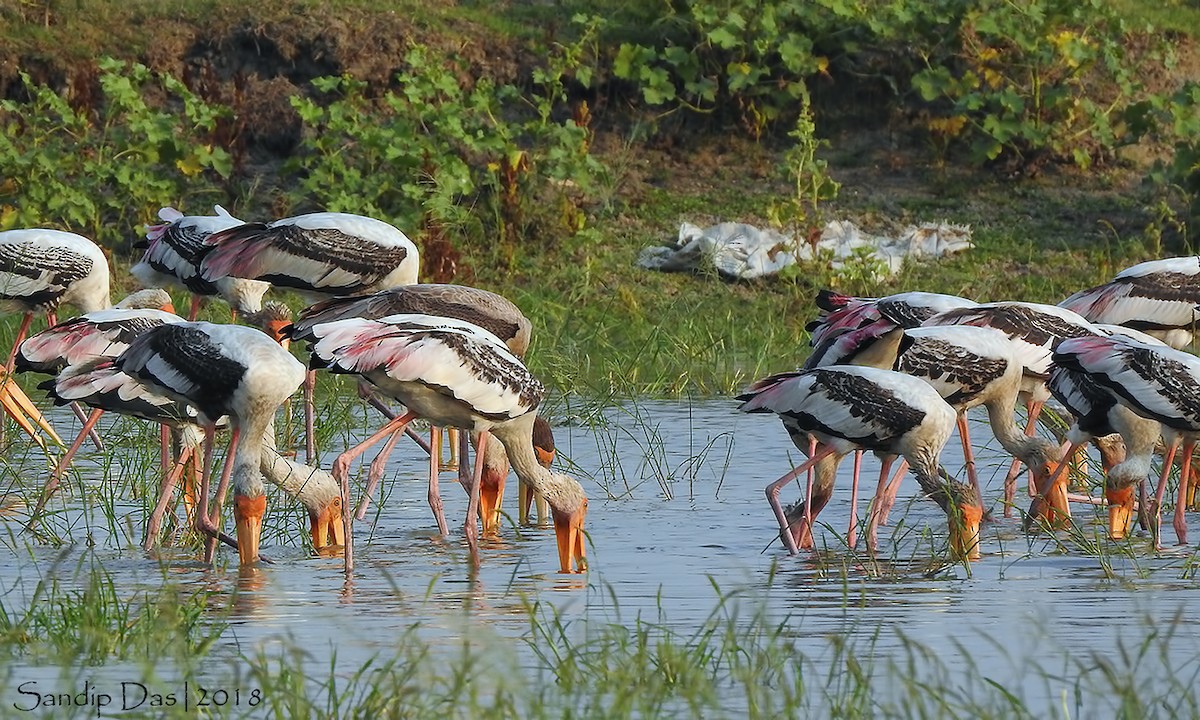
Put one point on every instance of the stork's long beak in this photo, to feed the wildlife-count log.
(24, 413)
(168, 306)
(1120, 511)
(248, 514)
(964, 531)
(568, 530)
(491, 493)
(328, 527)
(1051, 502)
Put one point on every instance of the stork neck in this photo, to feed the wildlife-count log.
(247, 474)
(1012, 439)
(516, 436)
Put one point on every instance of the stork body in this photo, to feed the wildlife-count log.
(1156, 382)
(1158, 297)
(848, 408)
(459, 375)
(174, 250)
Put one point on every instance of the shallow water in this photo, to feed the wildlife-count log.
(677, 521)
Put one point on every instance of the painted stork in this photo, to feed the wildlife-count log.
(39, 270)
(455, 374)
(1158, 297)
(319, 254)
(482, 308)
(1035, 330)
(1156, 382)
(907, 309)
(887, 412)
(222, 370)
(173, 251)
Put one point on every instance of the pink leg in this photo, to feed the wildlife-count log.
(212, 523)
(341, 472)
(12, 356)
(170, 479)
(471, 528)
(1185, 472)
(876, 509)
(852, 532)
(893, 489)
(194, 311)
(434, 494)
(1160, 491)
(310, 442)
(21, 332)
(95, 437)
(378, 465)
(964, 434)
(63, 464)
(772, 492)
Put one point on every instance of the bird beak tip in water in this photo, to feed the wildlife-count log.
(1120, 512)
(568, 530)
(24, 413)
(491, 493)
(964, 531)
(248, 514)
(328, 528)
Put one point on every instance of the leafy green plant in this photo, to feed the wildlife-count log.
(748, 55)
(1047, 79)
(100, 163)
(436, 150)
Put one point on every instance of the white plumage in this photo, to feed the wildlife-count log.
(174, 250)
(1158, 297)
(320, 254)
(456, 374)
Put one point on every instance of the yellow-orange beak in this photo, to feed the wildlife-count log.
(24, 413)
(168, 306)
(248, 514)
(1051, 502)
(964, 531)
(491, 493)
(568, 530)
(328, 528)
(1120, 511)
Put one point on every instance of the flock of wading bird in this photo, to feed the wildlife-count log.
(892, 375)
(449, 353)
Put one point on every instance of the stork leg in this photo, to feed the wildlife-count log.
(772, 492)
(341, 472)
(1050, 500)
(21, 332)
(1143, 512)
(964, 435)
(471, 527)
(95, 436)
(212, 522)
(194, 310)
(1180, 522)
(852, 531)
(310, 443)
(893, 489)
(1160, 491)
(435, 493)
(56, 476)
(375, 474)
(170, 479)
(876, 509)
